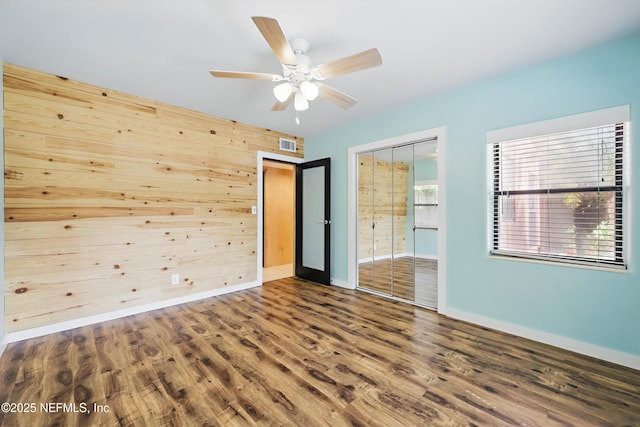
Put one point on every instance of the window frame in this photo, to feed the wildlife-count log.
(613, 116)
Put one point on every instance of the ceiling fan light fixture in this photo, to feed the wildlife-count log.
(300, 103)
(283, 91)
(309, 90)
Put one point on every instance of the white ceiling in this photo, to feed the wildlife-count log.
(163, 49)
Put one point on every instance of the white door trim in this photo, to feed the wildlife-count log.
(264, 155)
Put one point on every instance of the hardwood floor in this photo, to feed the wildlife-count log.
(297, 353)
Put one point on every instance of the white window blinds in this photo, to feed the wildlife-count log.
(559, 196)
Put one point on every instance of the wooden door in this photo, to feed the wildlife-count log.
(279, 213)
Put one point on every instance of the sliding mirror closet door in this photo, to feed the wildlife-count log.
(403, 253)
(397, 222)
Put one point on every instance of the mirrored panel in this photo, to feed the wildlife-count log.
(365, 220)
(403, 259)
(425, 195)
(382, 221)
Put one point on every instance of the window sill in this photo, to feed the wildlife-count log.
(604, 268)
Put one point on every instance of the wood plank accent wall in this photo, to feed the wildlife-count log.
(107, 195)
(382, 198)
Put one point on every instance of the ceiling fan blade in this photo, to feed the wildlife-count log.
(333, 95)
(243, 75)
(360, 61)
(274, 35)
(281, 106)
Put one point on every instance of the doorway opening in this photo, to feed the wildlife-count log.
(270, 158)
(278, 214)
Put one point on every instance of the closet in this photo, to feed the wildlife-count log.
(397, 205)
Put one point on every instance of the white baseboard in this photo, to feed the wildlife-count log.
(341, 283)
(620, 358)
(90, 320)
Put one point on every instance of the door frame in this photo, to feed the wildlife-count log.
(264, 155)
(352, 204)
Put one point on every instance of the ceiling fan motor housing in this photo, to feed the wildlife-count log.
(299, 46)
(300, 72)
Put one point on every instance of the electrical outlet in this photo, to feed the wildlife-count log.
(175, 279)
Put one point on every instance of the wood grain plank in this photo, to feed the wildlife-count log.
(67, 91)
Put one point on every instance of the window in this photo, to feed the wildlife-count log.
(425, 201)
(560, 196)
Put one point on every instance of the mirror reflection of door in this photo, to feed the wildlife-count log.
(397, 222)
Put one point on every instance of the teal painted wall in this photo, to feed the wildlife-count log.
(595, 307)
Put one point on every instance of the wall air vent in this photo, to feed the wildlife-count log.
(288, 145)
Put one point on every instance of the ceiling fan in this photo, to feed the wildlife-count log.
(300, 82)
